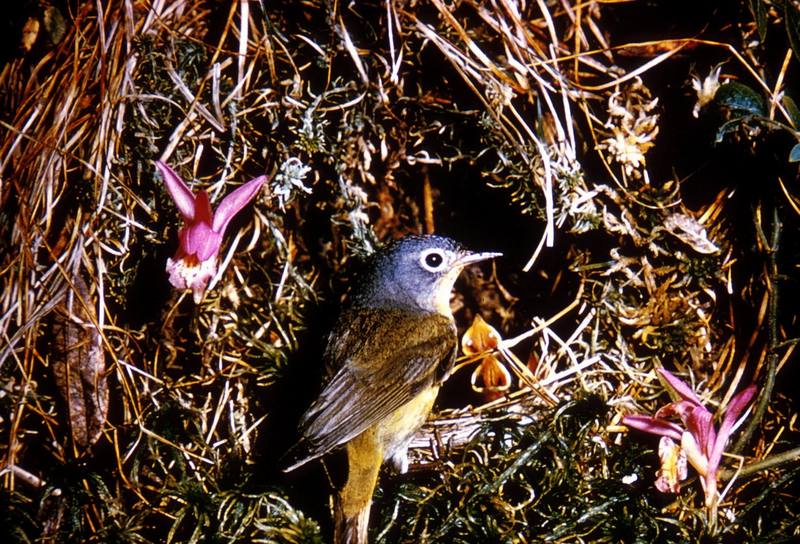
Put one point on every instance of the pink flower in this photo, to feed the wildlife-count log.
(699, 440)
(201, 237)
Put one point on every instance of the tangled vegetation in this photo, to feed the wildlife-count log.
(637, 164)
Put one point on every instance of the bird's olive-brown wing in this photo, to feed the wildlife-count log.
(379, 359)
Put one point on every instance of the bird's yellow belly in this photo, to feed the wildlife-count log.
(388, 440)
(395, 432)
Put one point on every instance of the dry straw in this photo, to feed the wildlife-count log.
(153, 410)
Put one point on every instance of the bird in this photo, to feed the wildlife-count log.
(385, 358)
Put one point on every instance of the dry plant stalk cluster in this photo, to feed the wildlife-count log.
(128, 413)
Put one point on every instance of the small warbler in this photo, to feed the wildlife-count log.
(388, 353)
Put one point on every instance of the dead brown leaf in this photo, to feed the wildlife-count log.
(79, 366)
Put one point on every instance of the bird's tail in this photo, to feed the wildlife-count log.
(351, 529)
(364, 458)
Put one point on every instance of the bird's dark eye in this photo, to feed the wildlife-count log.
(432, 260)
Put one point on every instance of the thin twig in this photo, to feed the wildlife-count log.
(772, 333)
(779, 459)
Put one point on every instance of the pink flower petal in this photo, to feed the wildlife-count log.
(175, 271)
(178, 190)
(700, 423)
(681, 408)
(697, 458)
(191, 274)
(653, 425)
(738, 403)
(680, 387)
(234, 202)
(200, 241)
(735, 408)
(202, 208)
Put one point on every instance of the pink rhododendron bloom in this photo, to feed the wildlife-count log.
(196, 261)
(702, 444)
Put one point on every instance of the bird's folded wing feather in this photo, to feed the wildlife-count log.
(381, 361)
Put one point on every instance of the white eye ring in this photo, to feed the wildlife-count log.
(433, 260)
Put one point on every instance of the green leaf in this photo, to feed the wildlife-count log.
(792, 110)
(759, 9)
(794, 154)
(740, 98)
(791, 14)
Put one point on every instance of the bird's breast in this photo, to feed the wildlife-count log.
(396, 431)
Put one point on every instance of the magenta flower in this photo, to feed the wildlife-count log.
(702, 444)
(201, 237)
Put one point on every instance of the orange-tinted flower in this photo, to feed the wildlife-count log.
(490, 377)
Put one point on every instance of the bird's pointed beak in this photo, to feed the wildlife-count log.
(471, 258)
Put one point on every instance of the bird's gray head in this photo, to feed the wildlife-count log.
(415, 272)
